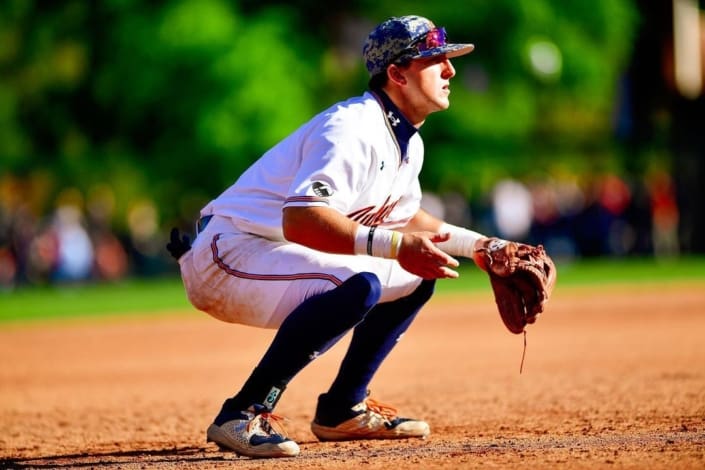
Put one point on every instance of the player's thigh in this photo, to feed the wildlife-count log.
(240, 278)
(259, 282)
(395, 281)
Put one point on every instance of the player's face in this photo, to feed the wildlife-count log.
(428, 86)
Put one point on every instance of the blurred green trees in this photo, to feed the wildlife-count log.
(169, 101)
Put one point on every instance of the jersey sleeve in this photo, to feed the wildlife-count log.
(332, 173)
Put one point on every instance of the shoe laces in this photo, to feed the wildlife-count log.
(386, 411)
(269, 423)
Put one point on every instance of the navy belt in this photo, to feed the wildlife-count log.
(203, 222)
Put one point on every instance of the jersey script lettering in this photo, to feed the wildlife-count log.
(366, 216)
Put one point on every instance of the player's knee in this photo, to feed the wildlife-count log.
(367, 287)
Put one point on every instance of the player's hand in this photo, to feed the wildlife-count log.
(419, 255)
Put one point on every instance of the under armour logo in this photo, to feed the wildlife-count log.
(393, 120)
(313, 355)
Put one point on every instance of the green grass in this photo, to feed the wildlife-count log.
(599, 271)
(127, 297)
(155, 296)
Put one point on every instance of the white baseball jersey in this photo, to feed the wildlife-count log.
(241, 270)
(346, 157)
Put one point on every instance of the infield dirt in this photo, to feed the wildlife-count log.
(613, 378)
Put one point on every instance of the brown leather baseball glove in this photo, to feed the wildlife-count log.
(522, 278)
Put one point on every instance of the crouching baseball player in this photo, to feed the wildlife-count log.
(324, 235)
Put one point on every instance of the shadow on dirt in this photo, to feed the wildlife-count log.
(119, 459)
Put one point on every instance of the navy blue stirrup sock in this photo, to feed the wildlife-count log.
(372, 341)
(309, 331)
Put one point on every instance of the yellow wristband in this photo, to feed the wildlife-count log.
(396, 244)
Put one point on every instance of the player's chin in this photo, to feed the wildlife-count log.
(438, 104)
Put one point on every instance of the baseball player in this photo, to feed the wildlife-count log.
(324, 235)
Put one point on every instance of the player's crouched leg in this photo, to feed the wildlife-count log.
(346, 412)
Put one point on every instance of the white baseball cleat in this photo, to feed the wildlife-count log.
(370, 420)
(253, 435)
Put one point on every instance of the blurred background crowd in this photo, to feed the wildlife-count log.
(578, 125)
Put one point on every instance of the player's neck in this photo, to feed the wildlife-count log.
(405, 106)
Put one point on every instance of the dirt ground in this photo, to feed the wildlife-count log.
(613, 380)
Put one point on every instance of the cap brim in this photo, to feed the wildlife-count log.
(450, 50)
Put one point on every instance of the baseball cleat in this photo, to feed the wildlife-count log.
(253, 435)
(368, 419)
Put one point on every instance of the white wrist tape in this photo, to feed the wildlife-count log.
(461, 240)
(361, 239)
(378, 242)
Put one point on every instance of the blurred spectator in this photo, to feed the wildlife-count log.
(20, 232)
(664, 213)
(74, 260)
(513, 209)
(615, 197)
(433, 204)
(592, 227)
(146, 240)
(457, 209)
(42, 256)
(555, 207)
(111, 259)
(8, 268)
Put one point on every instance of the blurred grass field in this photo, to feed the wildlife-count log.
(166, 295)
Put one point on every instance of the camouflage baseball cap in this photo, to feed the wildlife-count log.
(404, 38)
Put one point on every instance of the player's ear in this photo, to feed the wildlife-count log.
(395, 75)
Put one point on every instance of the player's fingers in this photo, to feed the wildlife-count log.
(440, 237)
(442, 257)
(427, 267)
(422, 257)
(441, 266)
(449, 273)
(452, 262)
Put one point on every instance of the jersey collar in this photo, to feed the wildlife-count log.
(401, 128)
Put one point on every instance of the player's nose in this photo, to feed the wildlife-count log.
(448, 69)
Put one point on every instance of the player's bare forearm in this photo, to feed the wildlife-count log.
(324, 229)
(422, 222)
(319, 228)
